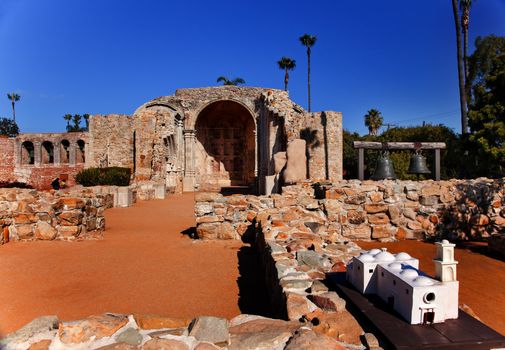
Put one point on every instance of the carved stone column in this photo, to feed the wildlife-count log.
(189, 160)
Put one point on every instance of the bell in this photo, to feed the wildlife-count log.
(418, 164)
(384, 168)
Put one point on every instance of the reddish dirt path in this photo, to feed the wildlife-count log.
(481, 278)
(143, 265)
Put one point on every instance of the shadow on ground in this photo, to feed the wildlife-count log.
(253, 296)
(190, 232)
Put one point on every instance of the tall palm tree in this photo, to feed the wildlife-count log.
(287, 64)
(234, 82)
(308, 41)
(461, 77)
(465, 6)
(373, 120)
(68, 118)
(13, 98)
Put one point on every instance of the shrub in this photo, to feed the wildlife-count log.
(113, 176)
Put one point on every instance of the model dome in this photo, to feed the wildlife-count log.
(385, 256)
(374, 251)
(366, 257)
(423, 281)
(396, 266)
(409, 273)
(403, 256)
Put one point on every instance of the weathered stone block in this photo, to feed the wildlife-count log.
(376, 208)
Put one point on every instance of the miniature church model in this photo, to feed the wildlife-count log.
(396, 279)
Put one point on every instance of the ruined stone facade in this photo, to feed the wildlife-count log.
(36, 159)
(204, 138)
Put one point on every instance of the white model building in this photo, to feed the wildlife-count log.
(396, 279)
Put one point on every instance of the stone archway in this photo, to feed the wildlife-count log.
(225, 146)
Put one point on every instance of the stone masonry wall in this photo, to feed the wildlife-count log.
(32, 215)
(368, 210)
(110, 141)
(7, 159)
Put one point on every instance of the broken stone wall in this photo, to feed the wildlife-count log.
(111, 141)
(51, 155)
(27, 215)
(365, 210)
(7, 159)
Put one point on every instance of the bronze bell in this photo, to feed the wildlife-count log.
(418, 164)
(384, 168)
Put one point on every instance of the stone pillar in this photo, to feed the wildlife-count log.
(255, 153)
(37, 152)
(189, 160)
(57, 152)
(71, 153)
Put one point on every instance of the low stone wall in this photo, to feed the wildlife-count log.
(464, 209)
(147, 332)
(27, 215)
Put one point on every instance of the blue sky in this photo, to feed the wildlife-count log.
(110, 56)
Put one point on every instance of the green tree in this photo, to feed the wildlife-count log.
(308, 41)
(373, 121)
(68, 118)
(8, 127)
(287, 64)
(461, 76)
(234, 82)
(13, 98)
(487, 110)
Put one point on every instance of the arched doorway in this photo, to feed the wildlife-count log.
(225, 147)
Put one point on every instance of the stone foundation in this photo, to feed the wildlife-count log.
(385, 210)
(27, 215)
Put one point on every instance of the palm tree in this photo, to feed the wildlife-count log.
(13, 98)
(287, 64)
(465, 6)
(68, 118)
(461, 77)
(76, 119)
(373, 120)
(308, 41)
(234, 82)
(85, 116)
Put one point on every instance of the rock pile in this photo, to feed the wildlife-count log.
(31, 215)
(147, 332)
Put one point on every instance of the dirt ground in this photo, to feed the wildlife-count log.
(143, 265)
(481, 278)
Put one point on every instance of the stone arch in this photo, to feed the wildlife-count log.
(79, 152)
(191, 122)
(65, 151)
(27, 153)
(47, 153)
(225, 145)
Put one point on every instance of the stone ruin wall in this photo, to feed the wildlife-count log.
(110, 141)
(27, 215)
(7, 162)
(41, 173)
(367, 210)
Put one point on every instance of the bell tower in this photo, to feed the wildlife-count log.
(445, 265)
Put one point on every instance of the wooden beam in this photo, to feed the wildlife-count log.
(398, 145)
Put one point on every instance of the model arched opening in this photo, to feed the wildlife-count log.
(225, 151)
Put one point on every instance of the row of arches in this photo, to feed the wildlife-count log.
(47, 150)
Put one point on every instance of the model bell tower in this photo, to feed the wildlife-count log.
(445, 265)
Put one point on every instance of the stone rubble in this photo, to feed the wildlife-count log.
(115, 331)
